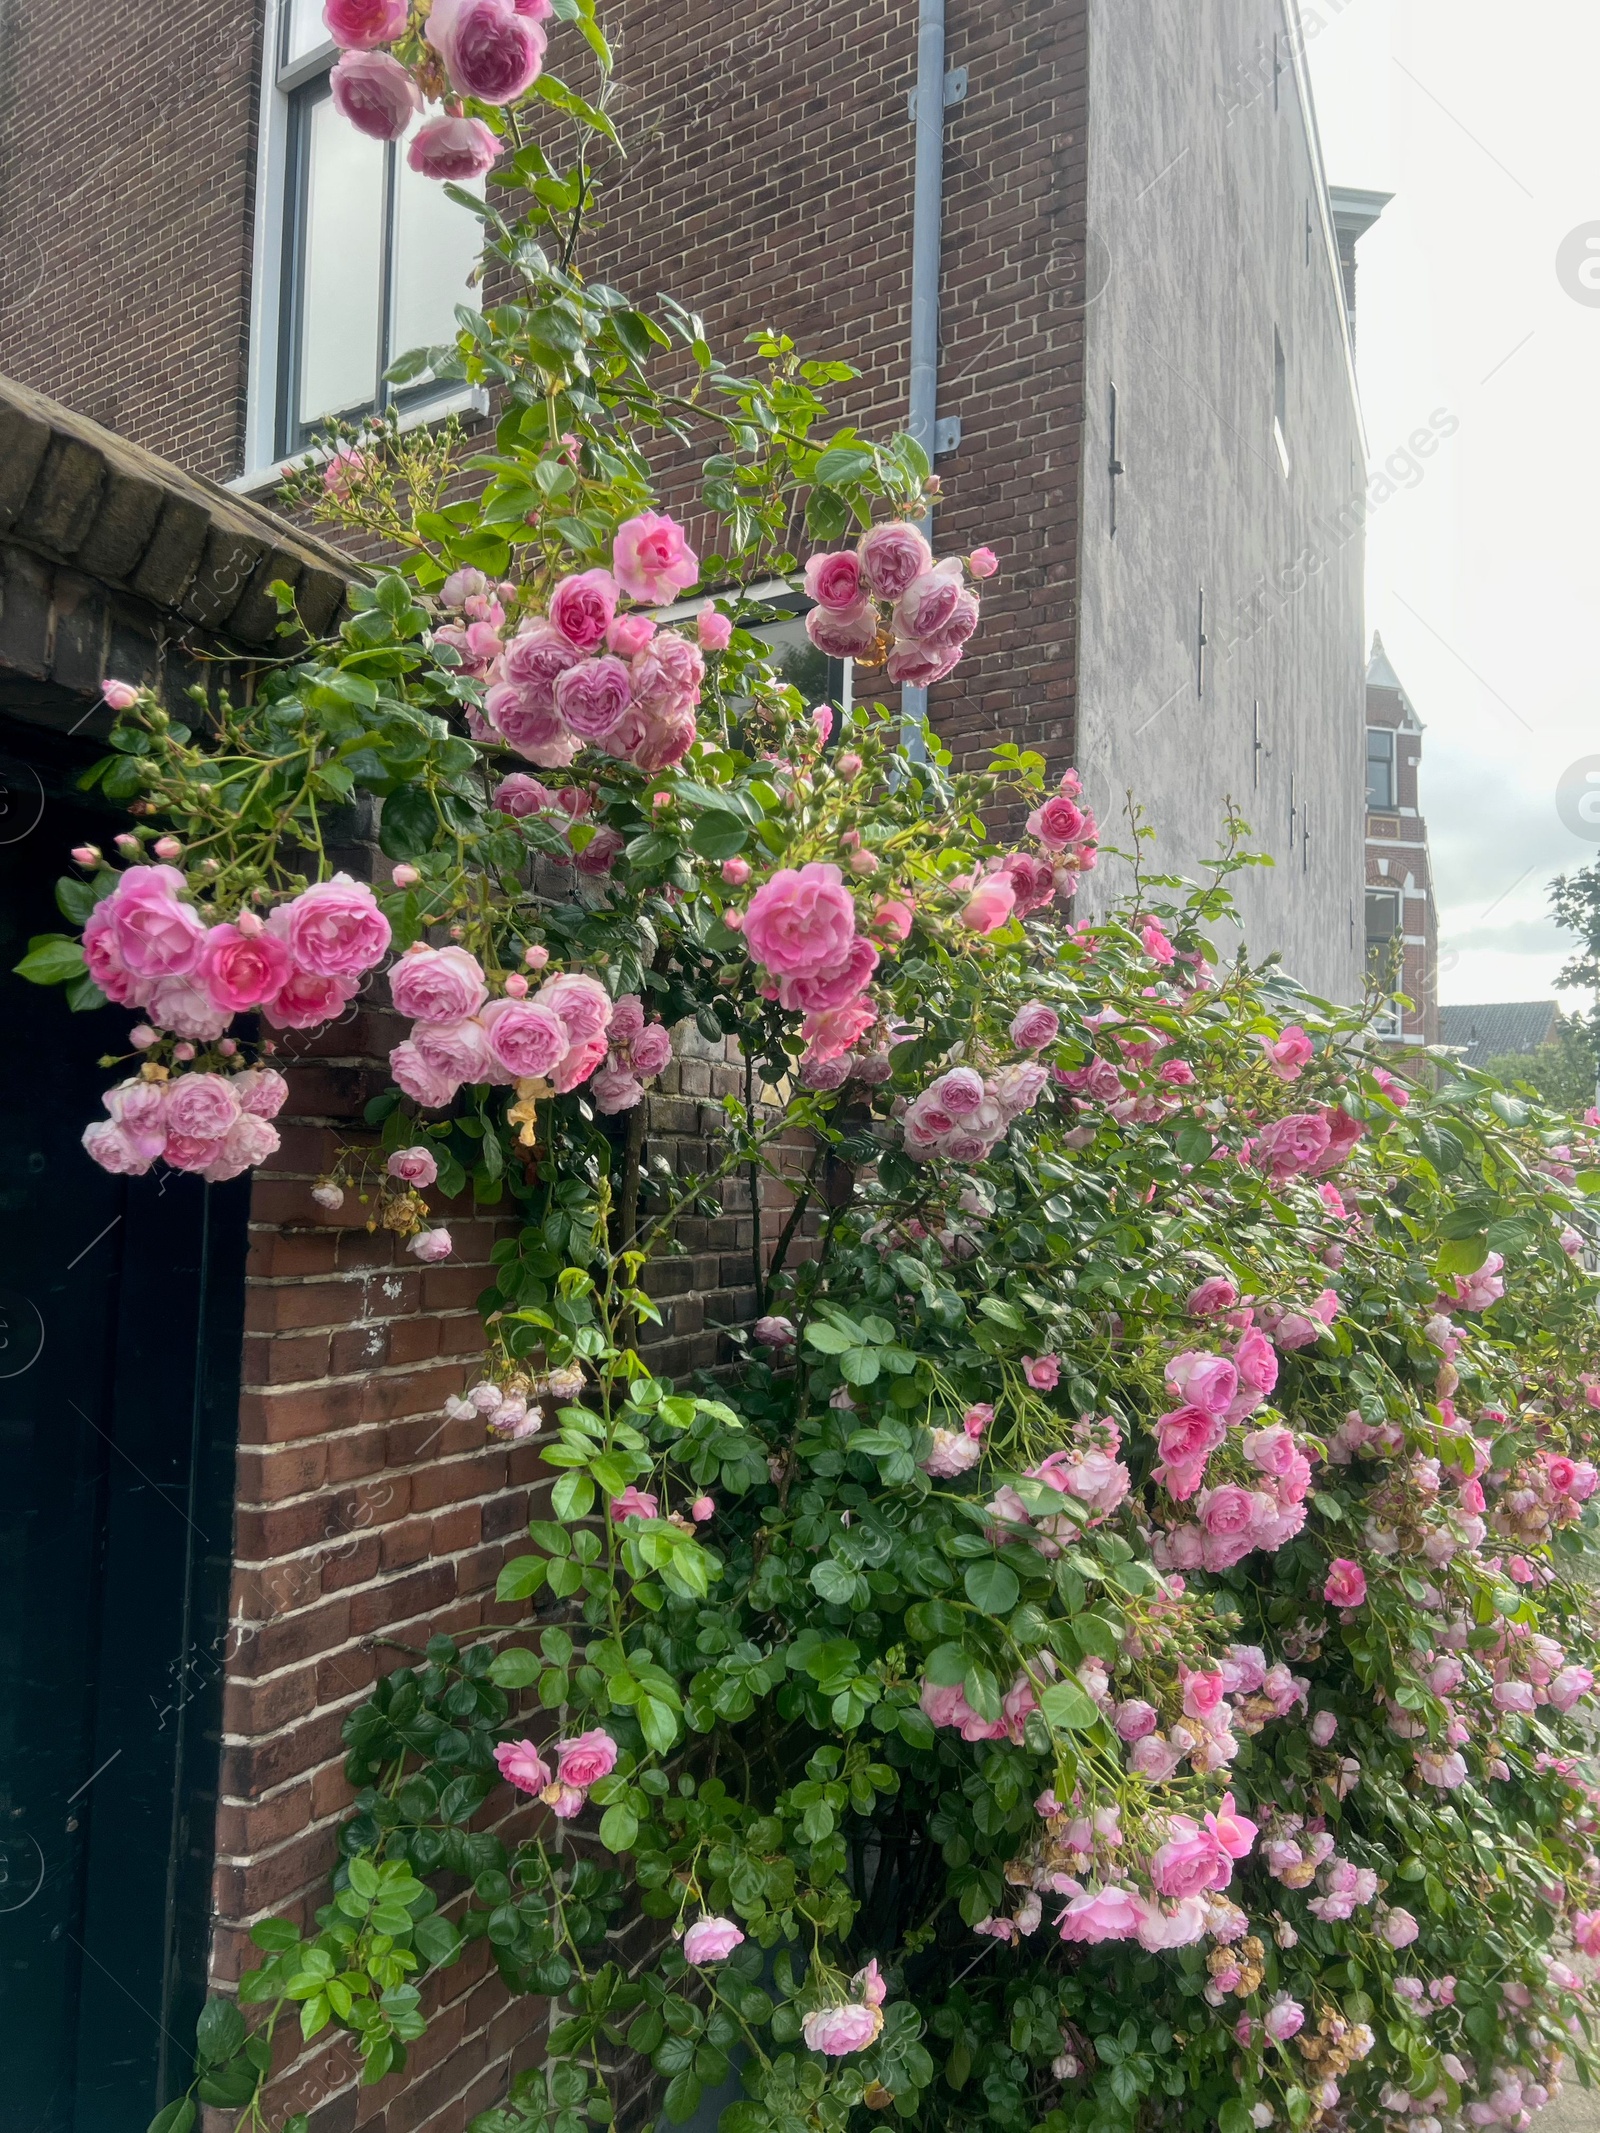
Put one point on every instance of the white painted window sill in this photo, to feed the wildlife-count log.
(471, 399)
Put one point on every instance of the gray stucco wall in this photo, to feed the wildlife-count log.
(1206, 217)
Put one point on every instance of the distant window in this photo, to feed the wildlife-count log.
(374, 260)
(1380, 768)
(1280, 399)
(1383, 916)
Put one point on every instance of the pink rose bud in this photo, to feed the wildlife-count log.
(405, 877)
(701, 1509)
(848, 765)
(516, 986)
(430, 1245)
(167, 848)
(983, 562)
(141, 1036)
(249, 923)
(228, 1048)
(128, 845)
(119, 695)
(86, 855)
(535, 957)
(328, 1195)
(183, 1051)
(660, 799)
(736, 872)
(864, 862)
(715, 630)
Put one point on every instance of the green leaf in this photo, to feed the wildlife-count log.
(619, 1825)
(1065, 1704)
(573, 1496)
(1462, 1255)
(521, 1578)
(516, 1668)
(832, 1340)
(992, 1588)
(719, 836)
(175, 2117)
(843, 462)
(409, 823)
(52, 959)
(219, 2031)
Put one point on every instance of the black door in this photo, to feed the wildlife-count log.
(120, 1317)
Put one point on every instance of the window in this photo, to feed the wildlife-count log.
(1380, 768)
(358, 260)
(1280, 399)
(1383, 928)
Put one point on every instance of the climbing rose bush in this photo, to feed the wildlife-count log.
(1115, 1650)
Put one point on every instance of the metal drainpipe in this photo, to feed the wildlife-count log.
(927, 190)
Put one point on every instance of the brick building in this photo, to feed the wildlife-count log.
(1402, 921)
(1145, 403)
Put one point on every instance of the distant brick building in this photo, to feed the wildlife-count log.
(1145, 404)
(1402, 921)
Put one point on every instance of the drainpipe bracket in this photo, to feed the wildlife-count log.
(955, 92)
(946, 435)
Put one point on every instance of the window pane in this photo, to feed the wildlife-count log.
(1380, 767)
(436, 247)
(303, 30)
(341, 270)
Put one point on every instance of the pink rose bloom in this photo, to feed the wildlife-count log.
(711, 1940)
(1398, 1927)
(525, 1037)
(983, 562)
(1188, 1436)
(582, 607)
(958, 1093)
(1228, 1511)
(1034, 1026)
(1190, 1860)
(361, 24)
(201, 1107)
(1202, 1690)
(773, 1332)
(1273, 1449)
(262, 1091)
(634, 1503)
(1586, 1932)
(831, 1032)
(1346, 1583)
(702, 1508)
(459, 1049)
(1291, 1053)
(932, 600)
(104, 958)
(115, 1149)
(714, 629)
(422, 1079)
(801, 923)
(490, 50)
(1446, 1771)
(239, 970)
(578, 1065)
(1156, 945)
(1292, 1144)
(601, 852)
(1057, 823)
(581, 1004)
(534, 662)
(521, 1764)
(1285, 2018)
(1202, 1380)
(892, 556)
(457, 149)
(843, 632)
(892, 919)
(1155, 1758)
(651, 559)
(835, 2031)
(586, 1759)
(834, 581)
(1515, 1696)
(1135, 1720)
(1476, 1292)
(1570, 1686)
(1042, 1372)
(951, 1452)
(651, 1051)
(430, 1246)
(306, 1001)
(990, 905)
(155, 936)
(437, 984)
(1216, 1293)
(592, 696)
(1102, 1914)
(1256, 1362)
(666, 676)
(413, 1166)
(615, 1091)
(375, 93)
(521, 795)
(919, 664)
(1295, 1330)
(335, 929)
(835, 987)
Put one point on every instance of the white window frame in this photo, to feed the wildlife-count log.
(263, 463)
(1393, 808)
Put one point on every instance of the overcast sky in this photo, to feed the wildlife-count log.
(1482, 577)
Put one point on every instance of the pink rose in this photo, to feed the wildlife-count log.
(1398, 1927)
(526, 1038)
(614, 1091)
(1042, 1372)
(1135, 1720)
(914, 662)
(422, 1079)
(104, 958)
(1256, 1361)
(490, 50)
(1216, 1293)
(834, 580)
(592, 696)
(459, 1049)
(835, 987)
(155, 935)
(247, 1142)
(1188, 1436)
(735, 872)
(116, 1150)
(458, 149)
(1155, 1758)
(711, 1940)
(1569, 1686)
(1284, 2019)
(306, 1001)
(1202, 1690)
(843, 632)
(520, 795)
(892, 920)
(834, 2031)
(651, 1051)
(801, 922)
(652, 560)
(413, 1166)
(582, 607)
(990, 905)
(714, 629)
(600, 852)
(534, 729)
(1203, 1380)
(983, 562)
(375, 93)
(521, 1764)
(240, 970)
(437, 984)
(1058, 823)
(892, 557)
(931, 601)
(1102, 1914)
(200, 1107)
(183, 1006)
(1291, 1053)
(586, 1759)
(262, 1091)
(581, 1004)
(335, 929)
(1346, 1583)
(830, 1032)
(958, 1093)
(1190, 1860)
(1227, 1511)
(1292, 1144)
(579, 1063)
(1034, 1026)
(666, 675)
(361, 24)
(535, 660)
(773, 1332)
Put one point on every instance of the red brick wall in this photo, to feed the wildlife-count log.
(127, 147)
(364, 1516)
(770, 184)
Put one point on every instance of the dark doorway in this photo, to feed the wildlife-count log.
(120, 1324)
